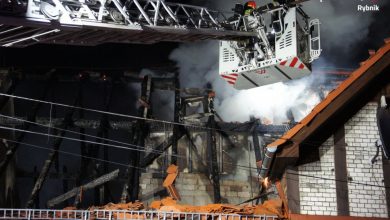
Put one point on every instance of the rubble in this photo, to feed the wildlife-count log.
(270, 207)
(131, 206)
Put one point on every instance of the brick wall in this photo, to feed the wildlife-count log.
(318, 196)
(361, 133)
(196, 189)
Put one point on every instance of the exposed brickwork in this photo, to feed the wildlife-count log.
(196, 189)
(318, 196)
(361, 133)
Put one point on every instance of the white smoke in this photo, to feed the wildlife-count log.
(342, 27)
(198, 63)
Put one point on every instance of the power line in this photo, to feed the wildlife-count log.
(110, 145)
(79, 133)
(73, 154)
(138, 118)
(242, 167)
(109, 113)
(140, 168)
(337, 180)
(73, 139)
(237, 166)
(75, 132)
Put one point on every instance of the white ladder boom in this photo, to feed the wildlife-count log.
(93, 22)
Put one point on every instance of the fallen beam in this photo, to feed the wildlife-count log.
(154, 126)
(148, 159)
(75, 191)
(52, 155)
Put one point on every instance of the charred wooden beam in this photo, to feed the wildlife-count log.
(103, 133)
(131, 188)
(116, 77)
(10, 90)
(35, 178)
(149, 159)
(212, 152)
(52, 155)
(83, 147)
(8, 189)
(176, 118)
(259, 151)
(32, 114)
(71, 177)
(259, 154)
(144, 111)
(65, 183)
(91, 185)
(226, 127)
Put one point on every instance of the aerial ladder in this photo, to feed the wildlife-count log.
(260, 46)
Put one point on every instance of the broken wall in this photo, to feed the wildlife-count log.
(196, 189)
(236, 163)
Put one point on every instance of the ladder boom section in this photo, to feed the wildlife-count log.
(93, 22)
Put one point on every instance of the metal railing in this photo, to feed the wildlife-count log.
(46, 214)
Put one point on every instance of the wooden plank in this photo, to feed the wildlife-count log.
(293, 195)
(341, 173)
(75, 191)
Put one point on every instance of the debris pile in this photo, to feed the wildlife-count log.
(131, 206)
(170, 205)
(270, 207)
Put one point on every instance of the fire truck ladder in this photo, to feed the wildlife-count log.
(93, 22)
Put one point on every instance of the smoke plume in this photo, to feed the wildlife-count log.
(343, 27)
(198, 65)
